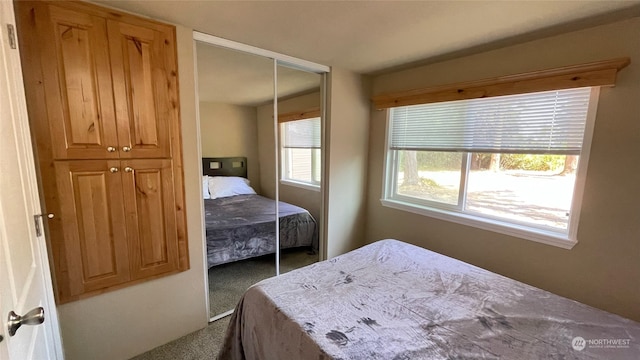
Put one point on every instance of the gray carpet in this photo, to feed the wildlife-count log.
(200, 345)
(227, 283)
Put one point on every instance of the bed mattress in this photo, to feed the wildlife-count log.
(392, 300)
(243, 226)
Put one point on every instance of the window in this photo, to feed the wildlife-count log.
(300, 148)
(511, 164)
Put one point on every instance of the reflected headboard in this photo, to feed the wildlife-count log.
(225, 166)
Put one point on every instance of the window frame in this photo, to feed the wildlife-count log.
(285, 163)
(456, 213)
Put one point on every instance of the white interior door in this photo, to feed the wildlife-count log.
(25, 280)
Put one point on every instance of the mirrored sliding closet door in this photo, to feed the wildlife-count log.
(261, 135)
(239, 212)
(299, 183)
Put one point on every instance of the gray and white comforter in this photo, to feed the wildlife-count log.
(391, 300)
(243, 226)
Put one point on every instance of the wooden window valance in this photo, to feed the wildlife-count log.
(299, 115)
(600, 73)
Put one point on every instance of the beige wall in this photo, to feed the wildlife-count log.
(602, 269)
(231, 130)
(266, 152)
(123, 323)
(346, 164)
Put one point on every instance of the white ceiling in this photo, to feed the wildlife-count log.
(371, 37)
(232, 77)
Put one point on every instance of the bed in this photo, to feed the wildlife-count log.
(240, 224)
(392, 300)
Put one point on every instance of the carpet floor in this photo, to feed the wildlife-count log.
(227, 283)
(200, 345)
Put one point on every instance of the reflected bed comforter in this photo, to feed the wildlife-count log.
(243, 226)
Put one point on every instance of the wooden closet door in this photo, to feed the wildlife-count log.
(92, 214)
(145, 86)
(76, 75)
(151, 217)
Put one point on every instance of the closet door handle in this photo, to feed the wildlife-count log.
(126, 148)
(128, 169)
(114, 169)
(111, 149)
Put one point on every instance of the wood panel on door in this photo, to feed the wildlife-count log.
(97, 78)
(93, 219)
(145, 84)
(77, 80)
(151, 217)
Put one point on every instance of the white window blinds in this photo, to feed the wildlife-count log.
(550, 122)
(301, 134)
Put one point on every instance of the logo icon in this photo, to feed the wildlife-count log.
(578, 343)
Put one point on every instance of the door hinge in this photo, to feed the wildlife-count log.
(11, 31)
(38, 221)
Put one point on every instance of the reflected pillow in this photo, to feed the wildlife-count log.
(205, 187)
(224, 186)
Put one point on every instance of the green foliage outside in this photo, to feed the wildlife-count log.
(435, 160)
(443, 161)
(429, 182)
(532, 162)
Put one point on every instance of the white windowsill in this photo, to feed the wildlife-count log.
(301, 185)
(537, 235)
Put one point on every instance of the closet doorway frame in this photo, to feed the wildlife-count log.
(278, 59)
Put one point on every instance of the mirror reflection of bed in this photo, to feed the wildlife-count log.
(240, 232)
(236, 105)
